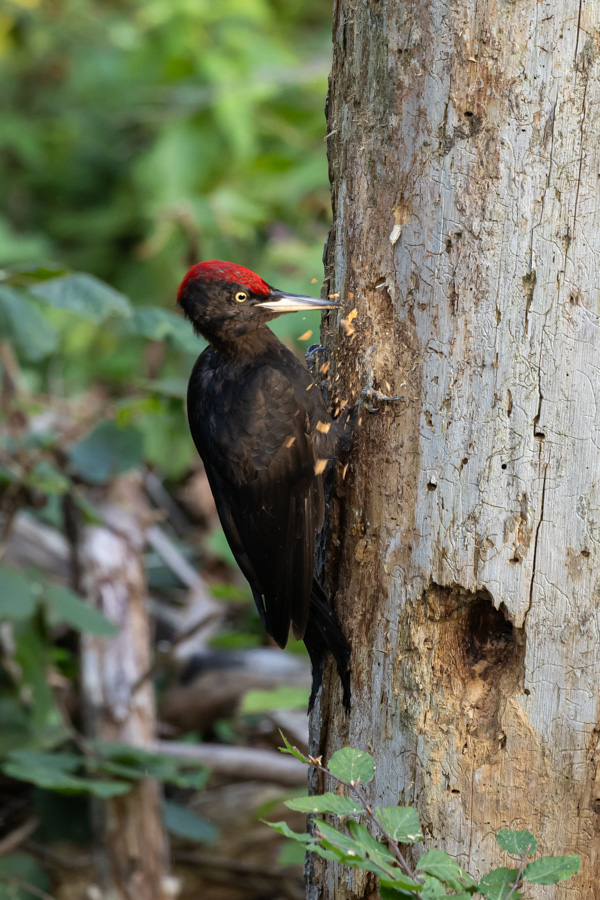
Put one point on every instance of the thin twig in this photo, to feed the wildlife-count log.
(359, 794)
(519, 874)
(11, 841)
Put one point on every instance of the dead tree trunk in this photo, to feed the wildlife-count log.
(132, 851)
(464, 147)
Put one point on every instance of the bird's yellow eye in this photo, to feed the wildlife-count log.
(241, 296)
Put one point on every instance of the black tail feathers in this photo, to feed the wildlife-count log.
(323, 633)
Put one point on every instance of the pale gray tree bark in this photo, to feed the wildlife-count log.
(132, 850)
(464, 147)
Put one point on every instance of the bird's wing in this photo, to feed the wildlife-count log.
(264, 471)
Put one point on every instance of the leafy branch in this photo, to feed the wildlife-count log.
(435, 873)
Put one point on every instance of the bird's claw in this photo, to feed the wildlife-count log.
(314, 350)
(369, 393)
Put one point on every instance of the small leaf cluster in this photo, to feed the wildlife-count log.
(379, 849)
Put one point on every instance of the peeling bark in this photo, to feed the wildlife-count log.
(133, 856)
(464, 149)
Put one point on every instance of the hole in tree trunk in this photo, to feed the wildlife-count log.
(472, 659)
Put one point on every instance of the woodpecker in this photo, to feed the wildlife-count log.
(265, 437)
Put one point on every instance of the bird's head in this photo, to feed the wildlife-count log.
(223, 300)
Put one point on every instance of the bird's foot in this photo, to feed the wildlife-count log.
(316, 360)
(315, 350)
(370, 393)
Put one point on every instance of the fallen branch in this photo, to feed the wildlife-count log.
(11, 841)
(245, 763)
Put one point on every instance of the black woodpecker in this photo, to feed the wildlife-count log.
(260, 424)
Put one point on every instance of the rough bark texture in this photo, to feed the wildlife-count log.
(464, 145)
(133, 858)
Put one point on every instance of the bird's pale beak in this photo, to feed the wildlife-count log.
(280, 302)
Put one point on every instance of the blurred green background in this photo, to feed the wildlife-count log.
(136, 138)
(139, 137)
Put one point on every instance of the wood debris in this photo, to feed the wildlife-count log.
(305, 336)
(323, 427)
(320, 466)
(289, 442)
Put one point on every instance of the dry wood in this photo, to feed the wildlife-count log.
(133, 859)
(243, 763)
(464, 146)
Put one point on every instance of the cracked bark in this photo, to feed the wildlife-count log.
(464, 542)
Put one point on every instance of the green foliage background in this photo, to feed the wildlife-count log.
(136, 138)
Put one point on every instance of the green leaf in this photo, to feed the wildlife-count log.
(184, 823)
(107, 451)
(389, 891)
(340, 840)
(137, 763)
(401, 881)
(284, 697)
(102, 788)
(517, 842)
(34, 656)
(551, 869)
(352, 765)
(371, 846)
(445, 869)
(47, 478)
(84, 295)
(291, 855)
(293, 751)
(326, 803)
(432, 888)
(401, 823)
(284, 829)
(54, 772)
(496, 885)
(25, 327)
(18, 867)
(65, 606)
(17, 599)
(157, 324)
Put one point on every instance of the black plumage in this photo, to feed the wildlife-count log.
(265, 436)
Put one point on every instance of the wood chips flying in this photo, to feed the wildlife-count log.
(323, 427)
(320, 466)
(305, 336)
(347, 323)
(289, 442)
